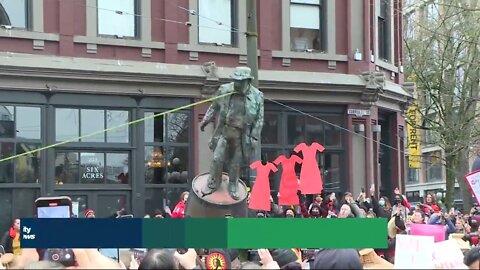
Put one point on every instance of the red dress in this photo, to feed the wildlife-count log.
(289, 182)
(310, 177)
(260, 196)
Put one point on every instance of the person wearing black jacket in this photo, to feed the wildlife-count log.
(11, 239)
(382, 207)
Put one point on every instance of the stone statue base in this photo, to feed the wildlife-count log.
(219, 203)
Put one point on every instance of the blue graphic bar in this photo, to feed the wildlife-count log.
(81, 233)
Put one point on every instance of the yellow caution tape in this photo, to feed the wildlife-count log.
(114, 128)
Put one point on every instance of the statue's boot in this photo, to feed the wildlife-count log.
(233, 189)
(211, 187)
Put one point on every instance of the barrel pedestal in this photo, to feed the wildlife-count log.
(219, 203)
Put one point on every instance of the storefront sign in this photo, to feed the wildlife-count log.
(92, 170)
(414, 148)
(358, 112)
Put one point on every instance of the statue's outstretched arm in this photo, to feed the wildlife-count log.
(210, 114)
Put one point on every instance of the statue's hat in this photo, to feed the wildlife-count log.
(242, 73)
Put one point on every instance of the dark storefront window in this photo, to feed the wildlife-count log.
(20, 132)
(159, 198)
(302, 128)
(73, 123)
(95, 171)
(167, 148)
(91, 168)
(413, 175)
(413, 196)
(270, 134)
(332, 166)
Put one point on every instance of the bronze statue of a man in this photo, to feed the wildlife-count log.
(238, 130)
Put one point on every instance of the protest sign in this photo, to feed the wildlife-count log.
(437, 231)
(414, 252)
(473, 181)
(448, 255)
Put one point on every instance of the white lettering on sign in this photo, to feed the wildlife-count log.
(91, 170)
(358, 112)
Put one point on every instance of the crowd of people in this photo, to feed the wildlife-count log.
(398, 211)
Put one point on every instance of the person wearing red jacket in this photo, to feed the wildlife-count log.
(179, 210)
(430, 206)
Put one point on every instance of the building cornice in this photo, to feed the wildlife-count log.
(30, 72)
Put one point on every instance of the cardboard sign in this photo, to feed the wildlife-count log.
(473, 181)
(414, 252)
(437, 231)
(448, 255)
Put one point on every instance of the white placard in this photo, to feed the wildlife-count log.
(414, 252)
(473, 181)
(447, 254)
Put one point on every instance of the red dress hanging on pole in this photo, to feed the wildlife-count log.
(260, 196)
(310, 177)
(289, 182)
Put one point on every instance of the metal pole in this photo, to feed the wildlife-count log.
(252, 39)
(252, 58)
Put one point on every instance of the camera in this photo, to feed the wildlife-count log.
(60, 255)
(309, 254)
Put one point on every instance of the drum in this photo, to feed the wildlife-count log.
(219, 204)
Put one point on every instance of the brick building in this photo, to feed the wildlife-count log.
(72, 67)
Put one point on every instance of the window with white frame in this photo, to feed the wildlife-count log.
(384, 37)
(306, 24)
(117, 18)
(433, 166)
(216, 22)
(14, 13)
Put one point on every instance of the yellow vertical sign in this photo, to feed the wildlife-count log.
(414, 148)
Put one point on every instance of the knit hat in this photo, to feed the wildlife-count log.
(284, 256)
(89, 212)
(337, 259)
(233, 253)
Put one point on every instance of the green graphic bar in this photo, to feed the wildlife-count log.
(163, 233)
(246, 233)
(206, 233)
(307, 233)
